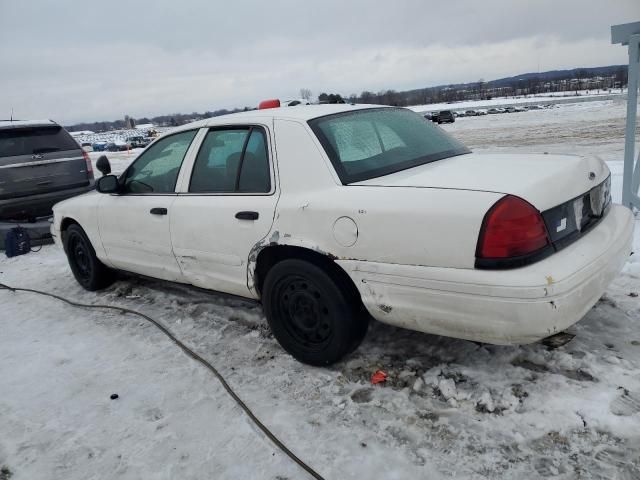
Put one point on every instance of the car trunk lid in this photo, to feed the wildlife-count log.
(545, 181)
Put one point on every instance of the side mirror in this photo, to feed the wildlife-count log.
(103, 165)
(108, 184)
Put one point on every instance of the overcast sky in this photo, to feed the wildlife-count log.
(83, 60)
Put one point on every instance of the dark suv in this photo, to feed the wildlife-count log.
(445, 116)
(40, 165)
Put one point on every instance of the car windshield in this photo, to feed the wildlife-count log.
(34, 140)
(370, 143)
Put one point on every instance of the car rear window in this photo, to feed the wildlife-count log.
(34, 140)
(370, 143)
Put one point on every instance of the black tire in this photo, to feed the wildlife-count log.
(88, 270)
(313, 318)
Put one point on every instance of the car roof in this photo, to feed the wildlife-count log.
(5, 124)
(298, 112)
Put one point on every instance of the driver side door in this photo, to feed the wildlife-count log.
(134, 224)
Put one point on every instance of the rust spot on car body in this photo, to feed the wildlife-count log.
(385, 308)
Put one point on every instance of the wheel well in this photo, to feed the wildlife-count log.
(66, 222)
(271, 255)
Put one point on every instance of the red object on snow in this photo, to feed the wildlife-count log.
(378, 377)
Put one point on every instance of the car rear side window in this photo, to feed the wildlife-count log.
(369, 143)
(232, 160)
(35, 140)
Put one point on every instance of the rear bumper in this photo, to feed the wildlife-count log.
(514, 306)
(38, 205)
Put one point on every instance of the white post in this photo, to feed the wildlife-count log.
(631, 179)
(629, 34)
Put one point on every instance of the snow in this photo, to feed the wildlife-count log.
(449, 408)
(116, 136)
(538, 99)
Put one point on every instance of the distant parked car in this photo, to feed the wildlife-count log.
(481, 112)
(87, 146)
(40, 165)
(294, 102)
(510, 110)
(137, 142)
(533, 107)
(493, 111)
(117, 146)
(428, 115)
(520, 109)
(471, 113)
(445, 116)
(99, 146)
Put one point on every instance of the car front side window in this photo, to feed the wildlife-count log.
(156, 170)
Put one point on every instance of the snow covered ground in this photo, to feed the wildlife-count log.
(450, 409)
(559, 98)
(117, 136)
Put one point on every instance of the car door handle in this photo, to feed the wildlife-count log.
(247, 215)
(158, 211)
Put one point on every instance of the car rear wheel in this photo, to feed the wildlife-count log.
(87, 269)
(312, 318)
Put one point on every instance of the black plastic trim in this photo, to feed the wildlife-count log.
(30, 193)
(514, 262)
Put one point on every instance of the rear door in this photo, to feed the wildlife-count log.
(225, 207)
(40, 159)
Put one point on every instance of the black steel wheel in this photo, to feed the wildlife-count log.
(87, 269)
(313, 319)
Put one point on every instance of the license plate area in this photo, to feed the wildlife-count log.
(568, 221)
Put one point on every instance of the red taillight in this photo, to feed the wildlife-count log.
(89, 167)
(511, 228)
(274, 103)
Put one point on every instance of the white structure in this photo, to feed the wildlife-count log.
(629, 34)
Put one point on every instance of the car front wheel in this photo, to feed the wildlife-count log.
(87, 269)
(314, 319)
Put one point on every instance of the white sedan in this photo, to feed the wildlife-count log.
(333, 214)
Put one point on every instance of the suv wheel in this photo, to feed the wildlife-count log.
(313, 319)
(88, 270)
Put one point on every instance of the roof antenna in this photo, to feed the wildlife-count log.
(12, 114)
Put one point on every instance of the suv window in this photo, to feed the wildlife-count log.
(156, 170)
(34, 140)
(370, 143)
(232, 160)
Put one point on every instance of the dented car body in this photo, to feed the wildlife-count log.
(498, 248)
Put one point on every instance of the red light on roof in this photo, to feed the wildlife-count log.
(274, 103)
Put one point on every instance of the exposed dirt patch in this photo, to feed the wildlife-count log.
(5, 473)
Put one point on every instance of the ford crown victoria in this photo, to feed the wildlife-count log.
(333, 214)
